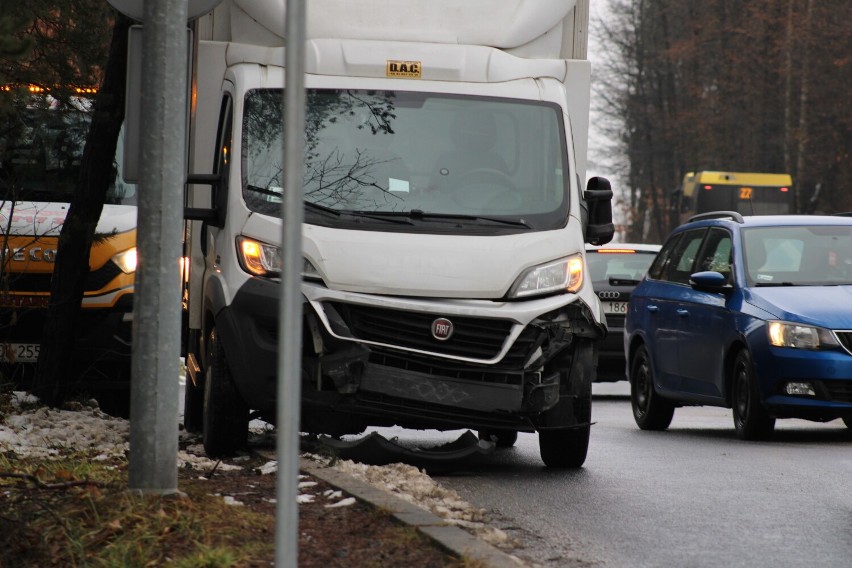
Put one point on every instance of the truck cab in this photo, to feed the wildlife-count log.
(444, 282)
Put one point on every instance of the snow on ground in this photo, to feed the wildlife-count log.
(37, 431)
(43, 432)
(415, 486)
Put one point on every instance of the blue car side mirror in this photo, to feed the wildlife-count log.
(710, 281)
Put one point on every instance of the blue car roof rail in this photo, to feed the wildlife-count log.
(718, 215)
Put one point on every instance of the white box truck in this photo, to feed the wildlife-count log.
(444, 279)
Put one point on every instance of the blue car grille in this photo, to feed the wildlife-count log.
(845, 338)
(839, 391)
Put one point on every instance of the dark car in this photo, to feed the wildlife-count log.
(748, 313)
(615, 269)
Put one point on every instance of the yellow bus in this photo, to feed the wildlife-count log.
(744, 192)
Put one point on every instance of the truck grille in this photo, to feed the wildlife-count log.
(472, 337)
(503, 374)
(477, 338)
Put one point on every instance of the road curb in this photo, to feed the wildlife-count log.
(456, 540)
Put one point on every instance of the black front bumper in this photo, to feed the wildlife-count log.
(374, 370)
(102, 342)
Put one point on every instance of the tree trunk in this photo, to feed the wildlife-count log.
(52, 383)
(802, 147)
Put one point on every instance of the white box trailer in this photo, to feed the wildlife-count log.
(444, 280)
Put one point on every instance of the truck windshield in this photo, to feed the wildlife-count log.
(41, 148)
(420, 154)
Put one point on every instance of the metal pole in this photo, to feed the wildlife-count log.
(290, 310)
(156, 309)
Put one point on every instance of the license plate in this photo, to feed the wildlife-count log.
(19, 352)
(615, 307)
(23, 301)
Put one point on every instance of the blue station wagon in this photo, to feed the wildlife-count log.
(749, 313)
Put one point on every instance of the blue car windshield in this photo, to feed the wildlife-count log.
(806, 255)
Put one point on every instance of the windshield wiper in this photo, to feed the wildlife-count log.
(365, 214)
(264, 191)
(775, 284)
(420, 214)
(322, 208)
(615, 281)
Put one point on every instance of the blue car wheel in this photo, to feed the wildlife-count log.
(650, 410)
(751, 420)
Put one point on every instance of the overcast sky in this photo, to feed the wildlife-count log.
(595, 164)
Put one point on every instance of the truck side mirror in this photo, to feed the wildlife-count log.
(598, 195)
(214, 215)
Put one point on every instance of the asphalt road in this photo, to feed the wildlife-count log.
(693, 496)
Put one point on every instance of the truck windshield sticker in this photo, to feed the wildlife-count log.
(403, 69)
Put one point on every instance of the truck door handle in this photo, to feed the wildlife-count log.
(683, 313)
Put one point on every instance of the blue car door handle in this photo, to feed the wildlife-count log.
(653, 308)
(683, 313)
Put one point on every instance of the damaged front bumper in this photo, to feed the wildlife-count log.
(380, 361)
(502, 364)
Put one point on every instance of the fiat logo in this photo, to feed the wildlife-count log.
(442, 329)
(609, 294)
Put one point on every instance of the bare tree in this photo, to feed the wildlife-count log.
(728, 85)
(78, 231)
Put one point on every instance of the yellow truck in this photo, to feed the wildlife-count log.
(41, 147)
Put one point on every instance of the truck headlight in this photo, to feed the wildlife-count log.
(126, 260)
(259, 258)
(798, 336)
(563, 275)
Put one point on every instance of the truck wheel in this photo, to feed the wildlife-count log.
(193, 407)
(650, 410)
(504, 438)
(568, 448)
(226, 416)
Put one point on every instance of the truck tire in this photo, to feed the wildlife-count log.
(226, 416)
(193, 407)
(567, 448)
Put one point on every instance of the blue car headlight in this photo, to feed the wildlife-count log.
(799, 336)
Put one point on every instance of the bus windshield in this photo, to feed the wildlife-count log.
(747, 193)
(748, 200)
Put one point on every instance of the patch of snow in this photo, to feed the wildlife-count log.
(342, 503)
(415, 486)
(42, 432)
(269, 467)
